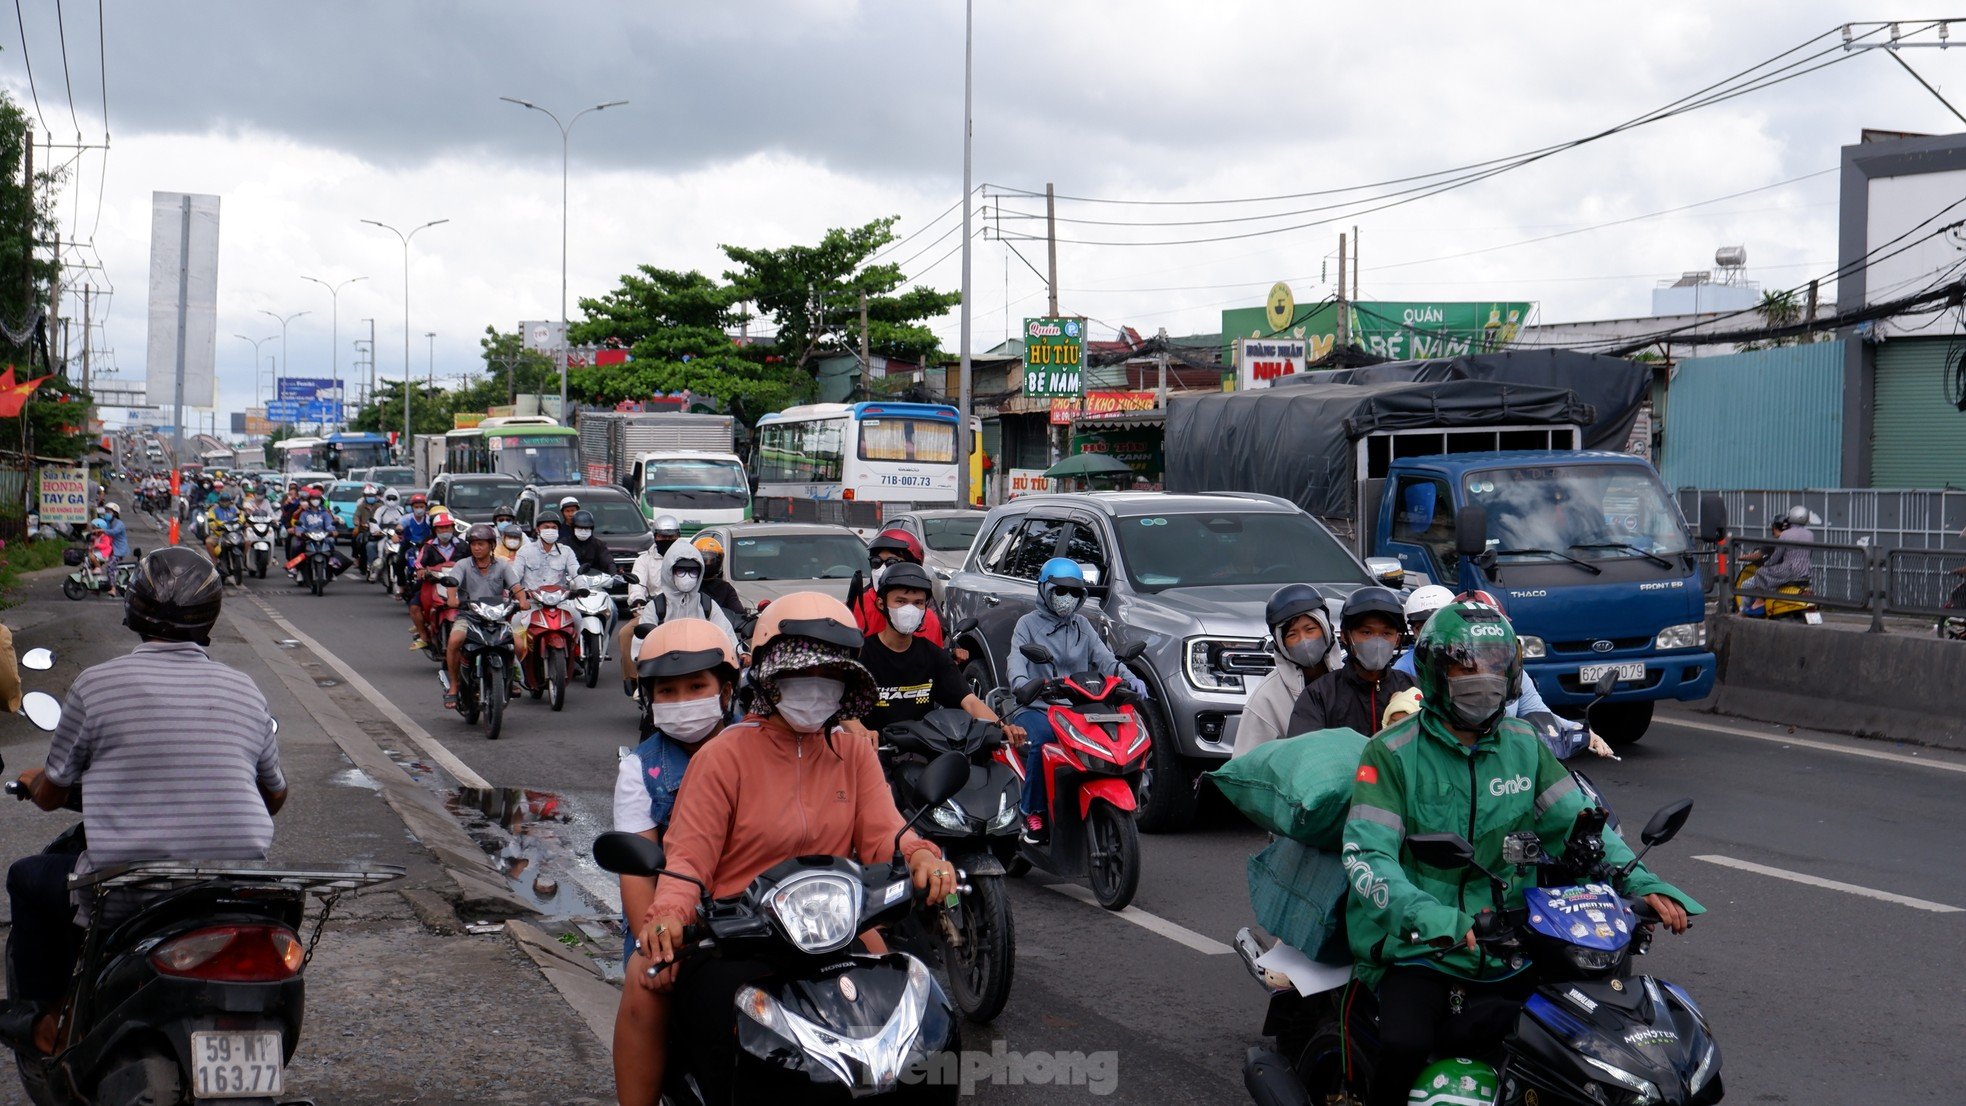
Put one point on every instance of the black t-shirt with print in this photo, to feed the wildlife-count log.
(910, 683)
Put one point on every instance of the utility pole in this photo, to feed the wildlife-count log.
(371, 323)
(1809, 312)
(1355, 253)
(963, 391)
(87, 292)
(1160, 358)
(866, 366)
(1344, 337)
(1050, 247)
(432, 368)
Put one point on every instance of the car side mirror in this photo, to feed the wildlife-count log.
(1713, 517)
(1441, 850)
(1666, 824)
(1471, 530)
(42, 709)
(627, 854)
(1387, 571)
(1035, 653)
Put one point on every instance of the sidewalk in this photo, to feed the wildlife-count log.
(401, 1006)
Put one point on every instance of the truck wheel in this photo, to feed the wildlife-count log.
(1168, 796)
(1621, 724)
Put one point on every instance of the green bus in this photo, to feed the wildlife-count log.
(532, 448)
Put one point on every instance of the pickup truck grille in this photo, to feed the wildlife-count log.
(1583, 648)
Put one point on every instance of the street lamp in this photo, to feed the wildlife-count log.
(255, 344)
(284, 320)
(334, 327)
(406, 314)
(566, 129)
(432, 335)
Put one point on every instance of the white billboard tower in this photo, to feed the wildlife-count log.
(179, 368)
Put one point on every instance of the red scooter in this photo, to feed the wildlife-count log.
(553, 643)
(1092, 778)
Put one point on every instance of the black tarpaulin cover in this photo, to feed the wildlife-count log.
(1296, 441)
(1613, 387)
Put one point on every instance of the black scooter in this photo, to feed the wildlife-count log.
(490, 658)
(826, 1024)
(975, 940)
(189, 985)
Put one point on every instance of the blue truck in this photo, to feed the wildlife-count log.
(1483, 484)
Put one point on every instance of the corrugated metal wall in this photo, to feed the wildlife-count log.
(1918, 438)
(1767, 419)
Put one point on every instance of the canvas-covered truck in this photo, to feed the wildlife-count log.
(1486, 484)
(671, 462)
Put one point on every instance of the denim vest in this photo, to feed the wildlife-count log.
(663, 762)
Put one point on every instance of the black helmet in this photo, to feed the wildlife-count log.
(174, 595)
(481, 532)
(583, 520)
(1289, 601)
(1372, 600)
(503, 513)
(904, 575)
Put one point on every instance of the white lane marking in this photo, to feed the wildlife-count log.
(434, 749)
(1154, 923)
(1821, 746)
(1833, 885)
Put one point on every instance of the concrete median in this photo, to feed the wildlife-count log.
(1900, 687)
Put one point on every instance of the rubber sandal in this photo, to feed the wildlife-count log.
(450, 702)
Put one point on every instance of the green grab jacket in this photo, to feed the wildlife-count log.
(1417, 778)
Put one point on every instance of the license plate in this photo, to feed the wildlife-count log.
(1592, 673)
(1813, 618)
(1105, 719)
(237, 1065)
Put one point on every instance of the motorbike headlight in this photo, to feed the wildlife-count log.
(818, 911)
(317, 535)
(1006, 815)
(950, 817)
(1690, 635)
(1532, 646)
(1591, 960)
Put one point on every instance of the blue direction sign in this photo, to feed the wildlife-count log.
(306, 387)
(284, 410)
(321, 411)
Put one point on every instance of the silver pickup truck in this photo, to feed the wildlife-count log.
(1187, 574)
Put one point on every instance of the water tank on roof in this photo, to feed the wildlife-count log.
(1731, 257)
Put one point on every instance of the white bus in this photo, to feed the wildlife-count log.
(862, 452)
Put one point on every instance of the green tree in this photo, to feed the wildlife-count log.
(430, 409)
(54, 421)
(511, 370)
(1779, 309)
(813, 294)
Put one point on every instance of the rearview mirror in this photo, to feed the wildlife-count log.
(1035, 653)
(629, 578)
(1713, 517)
(1130, 651)
(448, 580)
(627, 854)
(1605, 684)
(40, 660)
(1441, 850)
(1387, 571)
(944, 777)
(1665, 825)
(1090, 572)
(966, 625)
(1471, 530)
(42, 709)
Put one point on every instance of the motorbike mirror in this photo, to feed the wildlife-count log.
(1713, 517)
(1130, 651)
(944, 777)
(448, 580)
(627, 854)
(1665, 825)
(1441, 850)
(1035, 653)
(42, 709)
(1605, 684)
(1471, 530)
(40, 660)
(966, 625)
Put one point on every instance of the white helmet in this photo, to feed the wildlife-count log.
(1421, 605)
(1798, 515)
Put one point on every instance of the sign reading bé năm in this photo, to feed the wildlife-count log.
(1054, 355)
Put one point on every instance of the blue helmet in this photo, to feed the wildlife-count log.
(1056, 572)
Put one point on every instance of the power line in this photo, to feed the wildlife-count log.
(900, 242)
(102, 68)
(1927, 84)
(28, 62)
(61, 29)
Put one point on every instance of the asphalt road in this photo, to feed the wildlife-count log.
(1819, 994)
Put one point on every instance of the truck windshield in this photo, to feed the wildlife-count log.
(1216, 548)
(1592, 512)
(694, 483)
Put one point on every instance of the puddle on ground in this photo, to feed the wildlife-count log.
(355, 777)
(527, 831)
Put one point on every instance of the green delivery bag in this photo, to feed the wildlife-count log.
(1297, 787)
(1298, 894)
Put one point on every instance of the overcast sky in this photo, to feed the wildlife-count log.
(763, 122)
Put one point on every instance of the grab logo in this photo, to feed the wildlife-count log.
(1516, 786)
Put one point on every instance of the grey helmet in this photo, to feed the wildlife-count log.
(1798, 515)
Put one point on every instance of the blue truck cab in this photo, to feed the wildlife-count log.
(1588, 552)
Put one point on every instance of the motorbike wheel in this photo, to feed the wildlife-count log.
(1112, 855)
(259, 565)
(494, 696)
(314, 580)
(467, 699)
(980, 971)
(590, 658)
(1017, 867)
(72, 588)
(1319, 1064)
(556, 676)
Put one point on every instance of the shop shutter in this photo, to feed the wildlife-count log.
(1918, 436)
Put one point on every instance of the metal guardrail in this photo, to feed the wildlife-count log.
(858, 514)
(1909, 582)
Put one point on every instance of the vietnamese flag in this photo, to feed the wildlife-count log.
(14, 396)
(7, 379)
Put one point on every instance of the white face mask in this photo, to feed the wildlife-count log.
(907, 618)
(806, 702)
(548, 535)
(685, 581)
(583, 533)
(688, 721)
(514, 542)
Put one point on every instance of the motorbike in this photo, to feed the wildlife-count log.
(91, 576)
(1592, 1031)
(231, 542)
(317, 559)
(555, 639)
(1092, 777)
(975, 940)
(485, 676)
(262, 531)
(826, 1023)
(389, 561)
(190, 980)
(1953, 627)
(1798, 607)
(595, 608)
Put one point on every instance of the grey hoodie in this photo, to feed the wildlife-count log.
(1075, 648)
(674, 602)
(1266, 715)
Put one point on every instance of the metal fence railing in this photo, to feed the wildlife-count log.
(1916, 583)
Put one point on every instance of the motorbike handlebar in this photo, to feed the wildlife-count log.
(18, 790)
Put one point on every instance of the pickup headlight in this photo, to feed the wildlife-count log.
(1532, 646)
(1225, 664)
(819, 911)
(1688, 635)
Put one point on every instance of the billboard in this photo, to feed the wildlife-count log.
(1054, 356)
(309, 388)
(183, 284)
(1396, 331)
(1261, 362)
(65, 496)
(1063, 410)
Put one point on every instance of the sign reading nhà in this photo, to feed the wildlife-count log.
(1261, 362)
(1054, 356)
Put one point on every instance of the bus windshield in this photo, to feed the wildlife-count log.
(1593, 512)
(344, 457)
(536, 458)
(696, 483)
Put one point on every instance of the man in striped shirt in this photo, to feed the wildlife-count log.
(178, 756)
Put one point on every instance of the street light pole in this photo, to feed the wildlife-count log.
(334, 327)
(284, 320)
(432, 335)
(255, 344)
(963, 490)
(406, 315)
(566, 130)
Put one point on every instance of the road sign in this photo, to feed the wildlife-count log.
(284, 410)
(321, 411)
(307, 387)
